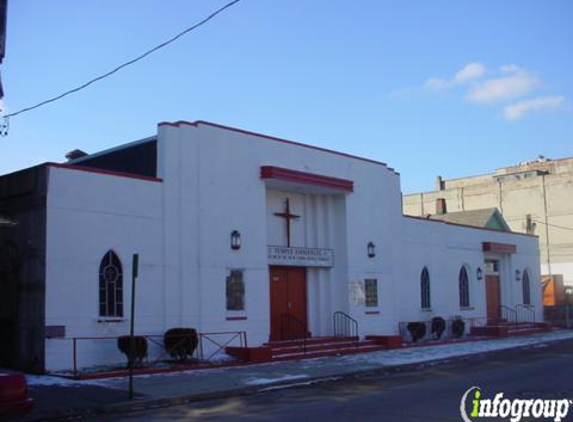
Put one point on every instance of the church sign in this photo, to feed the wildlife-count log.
(300, 257)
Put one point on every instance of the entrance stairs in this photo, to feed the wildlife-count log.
(510, 329)
(511, 322)
(315, 347)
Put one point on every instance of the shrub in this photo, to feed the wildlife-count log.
(180, 342)
(438, 327)
(139, 351)
(417, 330)
(458, 327)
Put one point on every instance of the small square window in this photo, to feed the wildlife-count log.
(491, 266)
(371, 292)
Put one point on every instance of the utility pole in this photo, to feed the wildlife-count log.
(3, 17)
(568, 294)
(134, 271)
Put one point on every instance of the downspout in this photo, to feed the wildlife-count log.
(545, 216)
(500, 196)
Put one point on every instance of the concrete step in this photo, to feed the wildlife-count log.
(328, 352)
(309, 341)
(285, 350)
(503, 329)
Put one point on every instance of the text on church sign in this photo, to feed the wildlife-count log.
(300, 257)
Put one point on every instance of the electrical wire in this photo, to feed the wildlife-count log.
(553, 225)
(121, 66)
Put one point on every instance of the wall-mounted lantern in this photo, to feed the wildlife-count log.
(517, 275)
(371, 250)
(235, 240)
(479, 274)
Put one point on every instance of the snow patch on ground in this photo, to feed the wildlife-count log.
(262, 381)
(47, 380)
(430, 353)
(275, 372)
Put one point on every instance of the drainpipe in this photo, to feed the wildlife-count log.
(500, 196)
(546, 224)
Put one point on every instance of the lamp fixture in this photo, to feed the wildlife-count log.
(371, 250)
(479, 274)
(517, 275)
(235, 240)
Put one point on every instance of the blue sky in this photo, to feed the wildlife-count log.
(442, 87)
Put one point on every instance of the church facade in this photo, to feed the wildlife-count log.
(235, 230)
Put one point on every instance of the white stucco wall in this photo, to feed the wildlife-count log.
(221, 172)
(443, 249)
(87, 215)
(210, 186)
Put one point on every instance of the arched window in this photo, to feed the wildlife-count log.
(110, 286)
(425, 289)
(464, 288)
(526, 288)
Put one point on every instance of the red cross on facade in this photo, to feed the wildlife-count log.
(288, 217)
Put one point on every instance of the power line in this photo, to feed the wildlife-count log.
(121, 66)
(554, 225)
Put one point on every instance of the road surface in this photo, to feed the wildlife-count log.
(431, 394)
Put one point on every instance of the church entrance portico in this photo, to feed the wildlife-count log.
(301, 236)
(498, 267)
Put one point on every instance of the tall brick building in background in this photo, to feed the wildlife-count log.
(534, 197)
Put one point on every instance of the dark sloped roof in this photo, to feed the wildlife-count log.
(478, 218)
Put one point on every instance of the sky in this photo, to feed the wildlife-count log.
(451, 88)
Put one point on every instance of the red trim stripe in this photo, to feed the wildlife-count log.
(429, 220)
(288, 175)
(106, 172)
(274, 138)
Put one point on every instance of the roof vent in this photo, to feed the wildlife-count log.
(75, 154)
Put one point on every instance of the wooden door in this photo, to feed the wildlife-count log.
(288, 302)
(493, 298)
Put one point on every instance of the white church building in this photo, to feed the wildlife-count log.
(235, 230)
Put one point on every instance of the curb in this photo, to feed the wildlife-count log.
(157, 403)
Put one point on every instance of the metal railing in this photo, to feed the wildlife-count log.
(345, 326)
(293, 328)
(507, 314)
(525, 313)
(210, 346)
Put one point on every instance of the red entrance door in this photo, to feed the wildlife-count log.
(288, 303)
(493, 298)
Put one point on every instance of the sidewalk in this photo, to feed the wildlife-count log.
(58, 398)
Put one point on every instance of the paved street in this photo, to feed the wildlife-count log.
(432, 394)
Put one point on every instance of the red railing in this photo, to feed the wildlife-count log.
(210, 337)
(209, 346)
